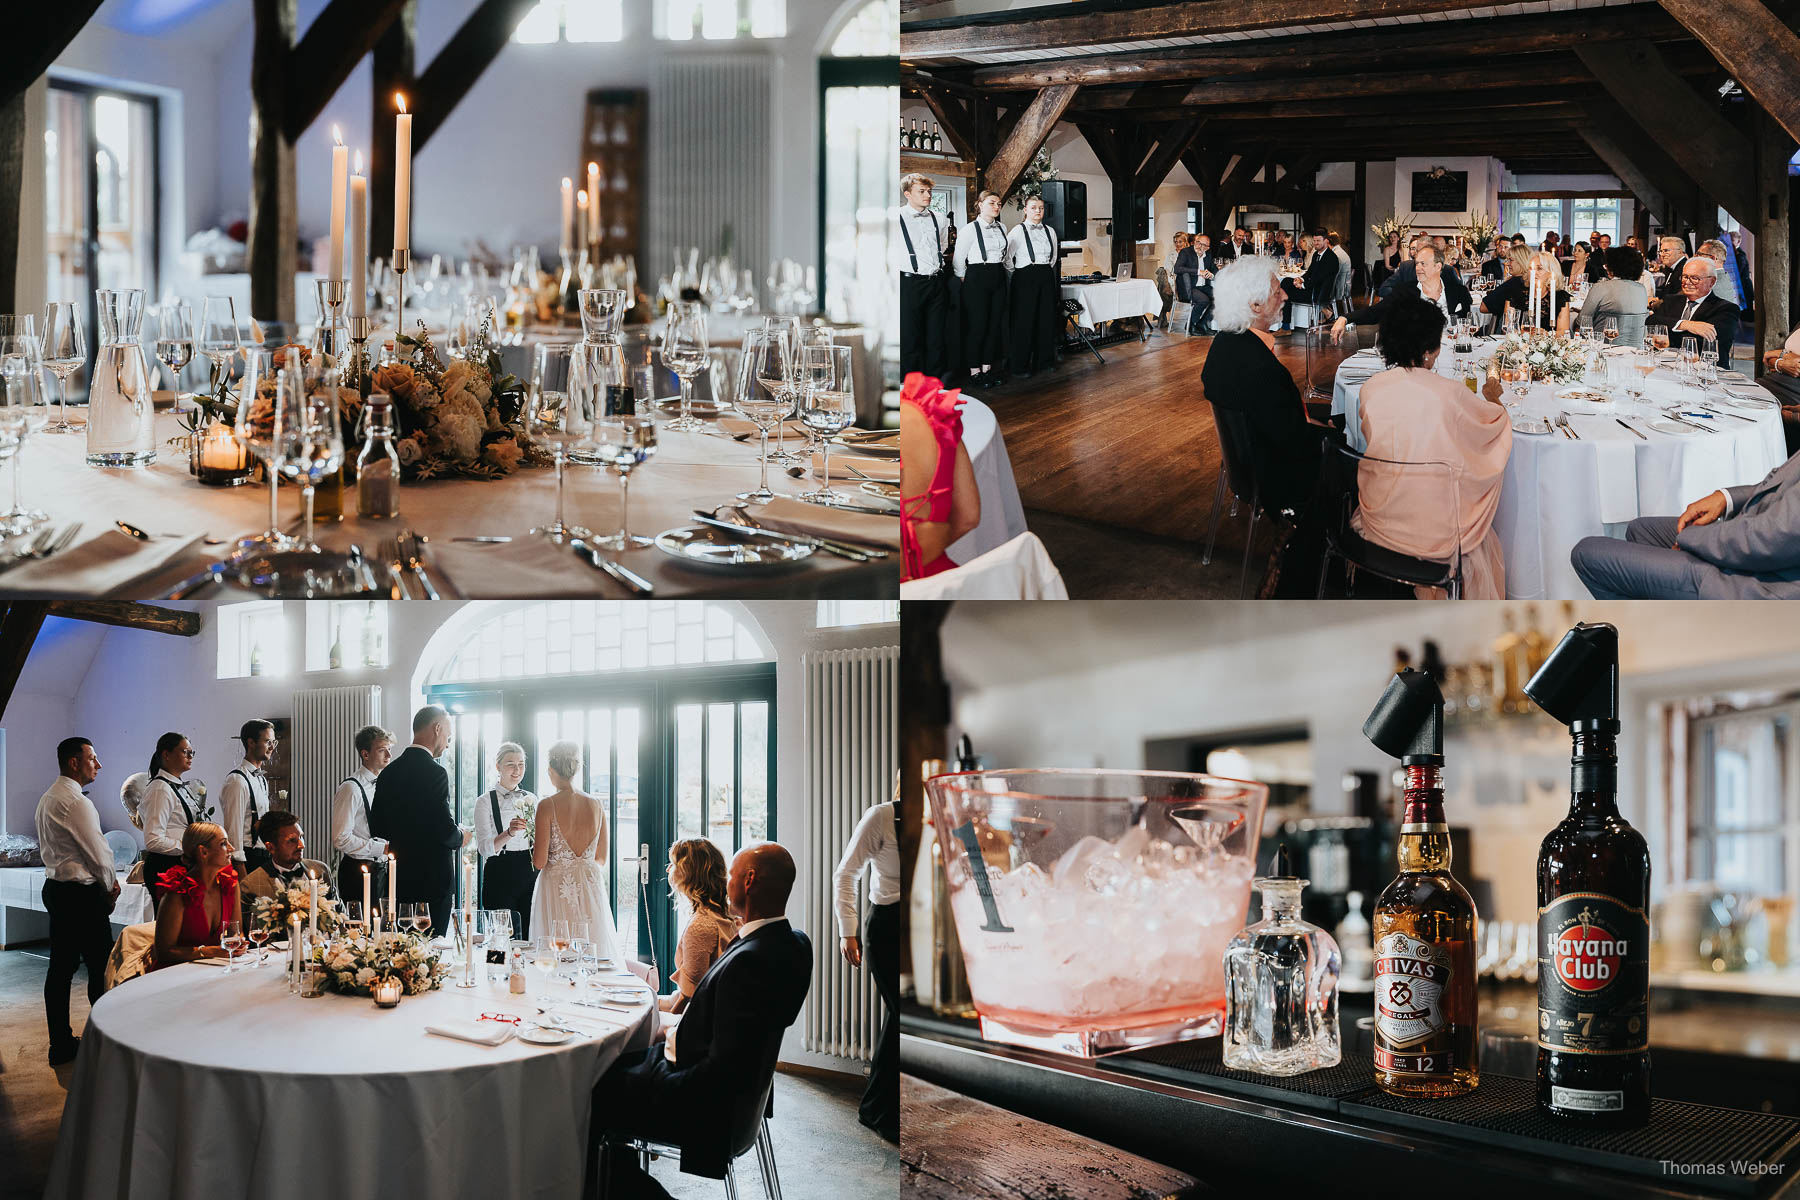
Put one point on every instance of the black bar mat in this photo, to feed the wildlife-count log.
(1201, 1064)
(1503, 1112)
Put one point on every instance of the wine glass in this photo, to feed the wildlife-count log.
(559, 933)
(258, 935)
(761, 395)
(175, 337)
(308, 437)
(1656, 337)
(65, 350)
(1609, 329)
(560, 412)
(231, 937)
(500, 931)
(623, 441)
(354, 918)
(827, 408)
(220, 336)
(684, 352)
(545, 958)
(22, 413)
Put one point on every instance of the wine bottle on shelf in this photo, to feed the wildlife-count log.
(937, 139)
(904, 144)
(918, 137)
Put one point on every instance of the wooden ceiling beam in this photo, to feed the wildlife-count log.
(1755, 46)
(1027, 137)
(473, 48)
(330, 49)
(19, 626)
(126, 614)
(953, 117)
(1618, 139)
(1170, 147)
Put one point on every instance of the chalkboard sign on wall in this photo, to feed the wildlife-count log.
(1448, 192)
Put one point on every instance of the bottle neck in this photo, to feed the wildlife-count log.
(1594, 775)
(1424, 834)
(1281, 901)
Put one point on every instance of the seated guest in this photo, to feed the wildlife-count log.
(1187, 269)
(168, 807)
(1578, 263)
(1411, 414)
(287, 866)
(350, 809)
(697, 873)
(80, 889)
(1202, 296)
(200, 894)
(1741, 543)
(708, 1076)
(1601, 245)
(1515, 292)
(1620, 296)
(1403, 273)
(939, 500)
(1319, 285)
(1493, 262)
(1241, 374)
(1671, 257)
(1698, 312)
(1723, 285)
(1781, 375)
(1552, 243)
(1432, 283)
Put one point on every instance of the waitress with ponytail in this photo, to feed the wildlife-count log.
(169, 806)
(1032, 251)
(981, 265)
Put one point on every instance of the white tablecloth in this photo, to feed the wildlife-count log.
(1558, 491)
(1002, 513)
(1114, 299)
(192, 1082)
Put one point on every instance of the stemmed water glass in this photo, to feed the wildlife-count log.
(65, 350)
(545, 957)
(220, 336)
(761, 395)
(560, 412)
(175, 337)
(1656, 337)
(499, 931)
(623, 441)
(259, 934)
(827, 407)
(310, 439)
(22, 413)
(255, 428)
(684, 352)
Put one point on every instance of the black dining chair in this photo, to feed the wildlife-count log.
(749, 1130)
(1337, 500)
(1237, 474)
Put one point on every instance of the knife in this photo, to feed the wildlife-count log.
(1690, 424)
(1640, 436)
(1734, 416)
(841, 549)
(628, 580)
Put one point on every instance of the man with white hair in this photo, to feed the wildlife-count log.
(1671, 257)
(1696, 311)
(412, 814)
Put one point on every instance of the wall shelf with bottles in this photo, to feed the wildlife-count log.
(612, 139)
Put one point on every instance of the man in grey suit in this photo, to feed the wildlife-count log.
(1741, 543)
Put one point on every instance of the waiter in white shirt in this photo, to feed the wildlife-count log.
(507, 876)
(921, 254)
(169, 806)
(350, 807)
(1036, 302)
(80, 888)
(981, 265)
(876, 845)
(244, 796)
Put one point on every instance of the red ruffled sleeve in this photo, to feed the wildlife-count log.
(178, 881)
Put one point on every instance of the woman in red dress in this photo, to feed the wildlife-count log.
(939, 501)
(199, 896)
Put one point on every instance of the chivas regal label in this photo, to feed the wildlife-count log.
(1593, 975)
(1412, 1030)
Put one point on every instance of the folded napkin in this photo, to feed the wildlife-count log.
(797, 516)
(887, 470)
(736, 425)
(99, 566)
(482, 1033)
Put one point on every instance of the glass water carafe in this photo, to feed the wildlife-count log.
(1281, 993)
(121, 429)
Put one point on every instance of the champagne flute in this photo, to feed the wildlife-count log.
(762, 398)
(684, 352)
(560, 413)
(827, 408)
(65, 350)
(175, 338)
(309, 438)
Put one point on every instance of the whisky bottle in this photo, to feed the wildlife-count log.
(1424, 924)
(1593, 889)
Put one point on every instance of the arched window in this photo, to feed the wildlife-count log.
(589, 637)
(873, 32)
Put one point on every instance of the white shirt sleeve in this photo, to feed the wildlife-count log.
(83, 823)
(963, 243)
(1729, 506)
(864, 845)
(158, 805)
(345, 804)
(485, 833)
(234, 802)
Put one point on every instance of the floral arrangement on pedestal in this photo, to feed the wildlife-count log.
(462, 419)
(272, 913)
(1031, 180)
(1545, 354)
(1476, 231)
(352, 967)
(1391, 226)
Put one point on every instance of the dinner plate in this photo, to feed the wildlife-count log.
(1592, 397)
(1734, 376)
(706, 546)
(1536, 426)
(629, 995)
(1676, 427)
(699, 408)
(539, 1036)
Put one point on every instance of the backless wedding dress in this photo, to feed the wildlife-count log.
(572, 888)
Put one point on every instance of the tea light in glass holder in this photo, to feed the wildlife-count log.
(386, 992)
(218, 458)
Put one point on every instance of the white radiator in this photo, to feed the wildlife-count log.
(850, 729)
(322, 750)
(710, 149)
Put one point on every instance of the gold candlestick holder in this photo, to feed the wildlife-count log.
(402, 261)
(359, 355)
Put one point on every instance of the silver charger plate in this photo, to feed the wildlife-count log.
(297, 573)
(705, 546)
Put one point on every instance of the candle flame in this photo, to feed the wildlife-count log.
(593, 168)
(581, 197)
(567, 183)
(337, 139)
(400, 99)
(359, 162)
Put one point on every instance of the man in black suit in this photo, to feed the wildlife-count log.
(1697, 312)
(1319, 285)
(708, 1077)
(412, 813)
(1671, 257)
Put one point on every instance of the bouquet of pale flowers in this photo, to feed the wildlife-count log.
(1476, 231)
(465, 418)
(272, 913)
(1545, 353)
(526, 810)
(1391, 226)
(352, 967)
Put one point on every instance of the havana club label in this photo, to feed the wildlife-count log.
(1593, 975)
(1412, 1030)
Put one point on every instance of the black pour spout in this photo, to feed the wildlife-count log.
(1579, 683)
(1408, 721)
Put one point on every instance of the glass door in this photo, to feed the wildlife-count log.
(859, 187)
(476, 731)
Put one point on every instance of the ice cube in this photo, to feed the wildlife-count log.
(1071, 869)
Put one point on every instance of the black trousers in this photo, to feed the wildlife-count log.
(924, 301)
(984, 315)
(1036, 317)
(155, 865)
(350, 881)
(507, 882)
(880, 1109)
(1202, 301)
(80, 932)
(626, 1103)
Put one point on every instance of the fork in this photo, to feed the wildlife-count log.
(413, 562)
(1563, 420)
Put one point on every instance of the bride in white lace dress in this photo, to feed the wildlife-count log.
(570, 854)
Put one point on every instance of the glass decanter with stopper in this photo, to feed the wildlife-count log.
(1281, 985)
(121, 428)
(1424, 924)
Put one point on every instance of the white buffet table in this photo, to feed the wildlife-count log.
(1558, 490)
(1114, 300)
(194, 1082)
(22, 915)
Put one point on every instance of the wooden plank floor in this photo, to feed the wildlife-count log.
(1129, 443)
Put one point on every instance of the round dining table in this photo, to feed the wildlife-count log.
(1628, 457)
(193, 1081)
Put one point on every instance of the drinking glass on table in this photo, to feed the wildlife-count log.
(761, 395)
(1656, 337)
(309, 438)
(684, 349)
(22, 413)
(175, 338)
(623, 441)
(559, 934)
(560, 413)
(220, 336)
(231, 937)
(546, 958)
(1609, 329)
(785, 333)
(827, 408)
(499, 934)
(64, 352)
(1512, 319)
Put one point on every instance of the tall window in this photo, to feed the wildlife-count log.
(1742, 820)
(859, 177)
(572, 21)
(1534, 219)
(1594, 215)
(720, 20)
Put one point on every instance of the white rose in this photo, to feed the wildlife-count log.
(365, 977)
